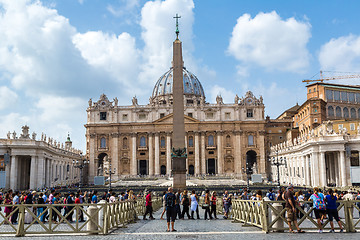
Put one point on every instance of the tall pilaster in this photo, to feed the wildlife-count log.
(41, 174)
(203, 153)
(157, 157)
(168, 154)
(151, 155)
(220, 156)
(237, 157)
(133, 165)
(115, 155)
(197, 154)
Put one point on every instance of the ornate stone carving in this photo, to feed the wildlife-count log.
(115, 135)
(90, 102)
(116, 101)
(134, 101)
(219, 99)
(34, 136)
(8, 135)
(25, 132)
(236, 100)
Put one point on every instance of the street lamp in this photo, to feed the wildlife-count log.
(278, 162)
(110, 172)
(80, 165)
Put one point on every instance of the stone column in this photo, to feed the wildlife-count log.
(316, 168)
(261, 144)
(157, 155)
(41, 172)
(342, 168)
(306, 170)
(7, 176)
(237, 157)
(14, 173)
(220, 157)
(337, 167)
(322, 168)
(347, 170)
(33, 172)
(151, 155)
(197, 154)
(187, 154)
(168, 154)
(133, 163)
(203, 151)
(92, 158)
(115, 155)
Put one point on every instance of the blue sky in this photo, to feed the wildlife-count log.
(56, 54)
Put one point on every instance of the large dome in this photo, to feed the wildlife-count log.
(192, 86)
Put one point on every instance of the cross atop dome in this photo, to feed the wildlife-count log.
(177, 26)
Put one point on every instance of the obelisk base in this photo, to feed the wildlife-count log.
(179, 173)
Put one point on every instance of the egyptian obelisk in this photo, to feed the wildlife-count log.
(178, 151)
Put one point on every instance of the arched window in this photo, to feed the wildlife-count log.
(163, 170)
(353, 113)
(338, 111)
(330, 111)
(125, 143)
(228, 141)
(103, 143)
(211, 140)
(250, 140)
(346, 112)
(191, 141)
(142, 142)
(162, 142)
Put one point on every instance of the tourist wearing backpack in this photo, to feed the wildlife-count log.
(170, 209)
(319, 207)
(332, 211)
(271, 195)
(185, 202)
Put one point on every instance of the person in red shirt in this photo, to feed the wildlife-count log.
(148, 205)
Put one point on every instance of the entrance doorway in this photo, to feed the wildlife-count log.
(100, 166)
(251, 162)
(191, 170)
(163, 170)
(143, 167)
(211, 166)
(24, 166)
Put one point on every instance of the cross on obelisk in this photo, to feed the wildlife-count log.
(178, 155)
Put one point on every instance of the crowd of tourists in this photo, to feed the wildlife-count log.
(181, 204)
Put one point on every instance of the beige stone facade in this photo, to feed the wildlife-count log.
(137, 139)
(38, 163)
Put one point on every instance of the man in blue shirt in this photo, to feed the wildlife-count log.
(94, 198)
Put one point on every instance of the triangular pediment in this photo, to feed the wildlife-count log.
(169, 119)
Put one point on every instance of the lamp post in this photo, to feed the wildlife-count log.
(80, 165)
(110, 172)
(278, 162)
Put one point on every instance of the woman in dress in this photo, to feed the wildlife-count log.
(213, 205)
(194, 204)
(29, 200)
(7, 201)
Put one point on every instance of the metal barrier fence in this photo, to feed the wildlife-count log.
(271, 215)
(79, 218)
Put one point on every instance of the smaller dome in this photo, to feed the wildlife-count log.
(192, 86)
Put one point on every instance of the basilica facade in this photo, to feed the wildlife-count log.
(221, 138)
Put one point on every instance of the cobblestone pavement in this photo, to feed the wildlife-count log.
(195, 229)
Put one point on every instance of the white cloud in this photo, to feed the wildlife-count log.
(341, 54)
(159, 32)
(268, 41)
(8, 98)
(227, 95)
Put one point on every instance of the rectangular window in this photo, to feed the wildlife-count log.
(227, 116)
(351, 97)
(336, 96)
(251, 140)
(344, 97)
(329, 95)
(190, 114)
(102, 115)
(162, 115)
(357, 97)
(142, 153)
(210, 115)
(191, 153)
(163, 153)
(211, 152)
(315, 120)
(352, 126)
(249, 113)
(340, 126)
(124, 117)
(142, 116)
